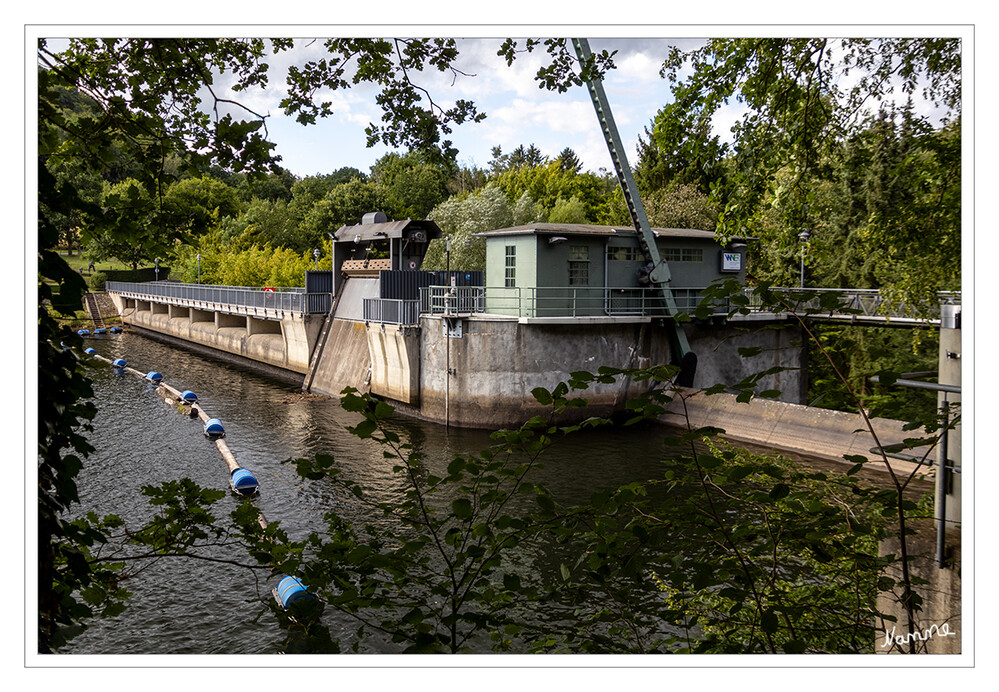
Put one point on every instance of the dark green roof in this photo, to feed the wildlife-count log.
(593, 230)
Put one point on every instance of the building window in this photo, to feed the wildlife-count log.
(579, 265)
(511, 266)
(624, 254)
(686, 254)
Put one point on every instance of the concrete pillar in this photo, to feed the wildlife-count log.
(950, 373)
(938, 622)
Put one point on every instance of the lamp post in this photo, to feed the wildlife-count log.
(315, 253)
(803, 237)
(156, 262)
(199, 267)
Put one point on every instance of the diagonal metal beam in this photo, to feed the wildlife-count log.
(660, 275)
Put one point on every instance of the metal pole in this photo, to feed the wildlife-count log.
(940, 506)
(803, 237)
(199, 268)
(447, 374)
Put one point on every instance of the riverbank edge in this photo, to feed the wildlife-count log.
(815, 432)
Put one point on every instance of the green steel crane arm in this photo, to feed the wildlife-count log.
(660, 275)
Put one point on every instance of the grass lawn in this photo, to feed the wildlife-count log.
(80, 263)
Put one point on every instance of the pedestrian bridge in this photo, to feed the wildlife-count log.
(278, 327)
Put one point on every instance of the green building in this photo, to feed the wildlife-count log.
(569, 270)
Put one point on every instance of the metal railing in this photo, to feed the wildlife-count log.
(854, 303)
(391, 311)
(582, 301)
(294, 300)
(573, 301)
(452, 300)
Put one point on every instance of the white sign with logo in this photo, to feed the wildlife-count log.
(731, 261)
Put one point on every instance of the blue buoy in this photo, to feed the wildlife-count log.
(120, 363)
(115, 330)
(100, 330)
(83, 332)
(189, 396)
(90, 351)
(153, 376)
(291, 589)
(243, 482)
(213, 428)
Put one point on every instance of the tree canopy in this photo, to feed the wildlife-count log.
(805, 100)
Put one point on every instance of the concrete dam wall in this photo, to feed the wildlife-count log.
(480, 371)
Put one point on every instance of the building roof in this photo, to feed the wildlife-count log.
(389, 229)
(593, 230)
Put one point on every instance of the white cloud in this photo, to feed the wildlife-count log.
(641, 67)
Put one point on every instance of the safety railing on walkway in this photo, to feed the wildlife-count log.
(540, 302)
(293, 300)
(391, 311)
(859, 304)
(583, 301)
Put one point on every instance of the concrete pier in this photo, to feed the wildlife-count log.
(282, 339)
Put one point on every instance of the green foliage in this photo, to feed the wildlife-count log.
(860, 352)
(801, 157)
(460, 218)
(240, 265)
(195, 205)
(96, 281)
(562, 70)
(344, 204)
(412, 185)
(680, 206)
(133, 233)
(567, 211)
(412, 118)
(548, 183)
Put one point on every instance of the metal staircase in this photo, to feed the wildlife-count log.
(90, 301)
(660, 273)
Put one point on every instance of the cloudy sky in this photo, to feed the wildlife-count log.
(517, 111)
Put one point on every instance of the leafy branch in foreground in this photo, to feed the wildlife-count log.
(443, 569)
(728, 552)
